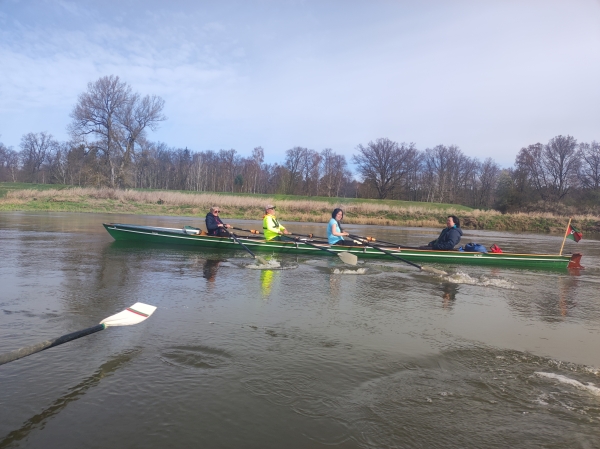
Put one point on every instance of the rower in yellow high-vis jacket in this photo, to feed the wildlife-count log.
(271, 227)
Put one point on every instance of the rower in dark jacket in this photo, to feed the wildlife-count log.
(449, 237)
(214, 225)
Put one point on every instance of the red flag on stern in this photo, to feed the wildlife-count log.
(574, 234)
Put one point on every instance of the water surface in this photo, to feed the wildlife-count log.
(315, 354)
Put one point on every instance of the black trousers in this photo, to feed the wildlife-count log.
(347, 243)
(220, 232)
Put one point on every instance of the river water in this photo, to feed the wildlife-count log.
(314, 354)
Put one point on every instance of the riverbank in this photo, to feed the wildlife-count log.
(289, 208)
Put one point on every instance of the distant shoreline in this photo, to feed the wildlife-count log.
(290, 209)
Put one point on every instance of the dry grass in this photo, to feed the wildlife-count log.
(206, 200)
(305, 210)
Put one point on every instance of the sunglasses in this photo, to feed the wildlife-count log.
(216, 211)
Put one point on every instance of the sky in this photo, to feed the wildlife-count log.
(487, 76)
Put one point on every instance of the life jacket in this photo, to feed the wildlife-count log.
(495, 249)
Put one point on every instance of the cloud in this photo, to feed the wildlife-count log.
(489, 77)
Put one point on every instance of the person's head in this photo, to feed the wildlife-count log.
(269, 209)
(338, 214)
(452, 220)
(215, 210)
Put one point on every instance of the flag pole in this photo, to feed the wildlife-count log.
(565, 238)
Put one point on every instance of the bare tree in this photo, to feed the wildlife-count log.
(294, 162)
(135, 116)
(448, 170)
(562, 163)
(335, 170)
(35, 149)
(487, 174)
(551, 168)
(383, 163)
(590, 170)
(117, 118)
(311, 167)
(9, 163)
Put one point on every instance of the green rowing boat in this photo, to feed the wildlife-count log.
(196, 237)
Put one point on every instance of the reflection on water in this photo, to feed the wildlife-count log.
(567, 293)
(210, 269)
(337, 356)
(266, 282)
(76, 392)
(449, 291)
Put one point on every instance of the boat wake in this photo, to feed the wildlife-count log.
(349, 271)
(463, 278)
(589, 387)
(272, 264)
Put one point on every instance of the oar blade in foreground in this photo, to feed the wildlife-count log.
(132, 315)
(348, 258)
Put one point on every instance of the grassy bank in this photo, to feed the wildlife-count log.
(28, 197)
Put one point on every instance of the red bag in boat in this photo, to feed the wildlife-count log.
(495, 249)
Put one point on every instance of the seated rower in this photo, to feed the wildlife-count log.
(271, 227)
(449, 237)
(335, 234)
(214, 224)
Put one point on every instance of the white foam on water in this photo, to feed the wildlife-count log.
(271, 264)
(348, 271)
(463, 278)
(590, 387)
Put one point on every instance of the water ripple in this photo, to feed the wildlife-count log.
(199, 357)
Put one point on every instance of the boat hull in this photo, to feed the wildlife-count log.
(174, 236)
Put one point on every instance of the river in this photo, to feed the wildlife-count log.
(315, 354)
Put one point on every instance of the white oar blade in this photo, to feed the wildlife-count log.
(132, 315)
(348, 258)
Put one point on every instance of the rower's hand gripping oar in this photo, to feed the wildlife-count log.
(420, 267)
(235, 239)
(132, 315)
(345, 256)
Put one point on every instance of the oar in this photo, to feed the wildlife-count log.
(132, 315)
(308, 236)
(252, 231)
(345, 256)
(373, 239)
(420, 267)
(235, 239)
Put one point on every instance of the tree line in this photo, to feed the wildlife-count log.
(109, 146)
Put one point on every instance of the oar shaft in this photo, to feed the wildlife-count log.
(387, 252)
(252, 231)
(23, 352)
(235, 239)
(383, 242)
(310, 236)
(314, 246)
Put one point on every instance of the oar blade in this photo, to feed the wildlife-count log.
(132, 315)
(434, 271)
(348, 258)
(262, 260)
